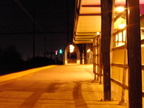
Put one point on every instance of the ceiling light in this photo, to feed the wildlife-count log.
(120, 9)
(121, 26)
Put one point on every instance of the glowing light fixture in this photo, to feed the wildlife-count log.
(121, 26)
(97, 33)
(120, 9)
(71, 48)
(88, 50)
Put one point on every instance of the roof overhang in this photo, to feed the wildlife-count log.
(88, 19)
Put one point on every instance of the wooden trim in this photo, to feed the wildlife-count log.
(120, 65)
(118, 48)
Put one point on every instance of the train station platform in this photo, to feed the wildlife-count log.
(55, 86)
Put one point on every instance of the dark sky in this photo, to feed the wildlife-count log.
(20, 20)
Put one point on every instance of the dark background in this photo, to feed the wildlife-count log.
(49, 21)
(33, 29)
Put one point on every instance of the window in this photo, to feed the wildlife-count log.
(120, 38)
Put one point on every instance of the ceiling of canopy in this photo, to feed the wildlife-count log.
(88, 19)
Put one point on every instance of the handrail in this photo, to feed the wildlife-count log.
(119, 83)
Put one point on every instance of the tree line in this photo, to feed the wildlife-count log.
(11, 61)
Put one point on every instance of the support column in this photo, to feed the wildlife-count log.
(106, 10)
(134, 54)
(94, 58)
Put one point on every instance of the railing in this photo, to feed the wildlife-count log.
(96, 59)
(119, 63)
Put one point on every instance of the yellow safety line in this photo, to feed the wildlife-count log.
(22, 73)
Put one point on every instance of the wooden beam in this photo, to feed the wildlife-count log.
(106, 9)
(134, 54)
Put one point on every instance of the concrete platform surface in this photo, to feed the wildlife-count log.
(63, 86)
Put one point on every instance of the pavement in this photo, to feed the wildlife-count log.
(55, 86)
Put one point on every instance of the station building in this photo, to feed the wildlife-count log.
(113, 33)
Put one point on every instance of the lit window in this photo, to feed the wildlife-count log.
(120, 39)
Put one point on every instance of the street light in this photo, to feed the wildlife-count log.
(71, 48)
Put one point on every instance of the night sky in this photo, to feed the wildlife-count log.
(46, 20)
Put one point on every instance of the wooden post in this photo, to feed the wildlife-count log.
(94, 59)
(106, 10)
(134, 54)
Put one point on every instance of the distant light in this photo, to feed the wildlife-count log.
(120, 9)
(56, 52)
(71, 48)
(60, 51)
(88, 50)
